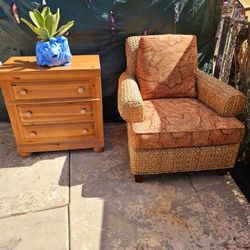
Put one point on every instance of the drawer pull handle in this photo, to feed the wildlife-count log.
(81, 90)
(83, 111)
(28, 114)
(85, 131)
(33, 134)
(23, 92)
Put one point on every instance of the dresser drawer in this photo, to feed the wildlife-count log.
(59, 132)
(52, 90)
(63, 112)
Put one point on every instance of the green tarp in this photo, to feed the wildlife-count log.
(94, 32)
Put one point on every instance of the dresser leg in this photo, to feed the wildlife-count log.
(25, 154)
(98, 149)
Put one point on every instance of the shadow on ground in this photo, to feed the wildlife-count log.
(171, 211)
(241, 175)
(9, 157)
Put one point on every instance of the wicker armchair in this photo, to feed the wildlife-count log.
(155, 152)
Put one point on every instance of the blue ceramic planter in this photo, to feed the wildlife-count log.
(54, 52)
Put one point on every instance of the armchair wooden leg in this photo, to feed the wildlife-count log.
(139, 178)
(222, 172)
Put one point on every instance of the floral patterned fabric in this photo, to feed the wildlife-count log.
(183, 122)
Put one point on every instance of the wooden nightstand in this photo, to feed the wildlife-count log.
(56, 108)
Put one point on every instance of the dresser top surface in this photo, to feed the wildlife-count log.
(26, 64)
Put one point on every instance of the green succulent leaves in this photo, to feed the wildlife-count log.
(46, 24)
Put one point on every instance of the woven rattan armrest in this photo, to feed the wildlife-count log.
(130, 103)
(219, 96)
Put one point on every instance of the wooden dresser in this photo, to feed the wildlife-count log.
(56, 108)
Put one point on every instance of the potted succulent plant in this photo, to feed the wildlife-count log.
(52, 49)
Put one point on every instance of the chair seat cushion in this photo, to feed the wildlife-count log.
(166, 66)
(182, 122)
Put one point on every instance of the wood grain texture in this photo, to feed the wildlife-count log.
(52, 90)
(65, 132)
(27, 64)
(56, 112)
(54, 108)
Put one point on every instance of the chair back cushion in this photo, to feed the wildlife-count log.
(166, 66)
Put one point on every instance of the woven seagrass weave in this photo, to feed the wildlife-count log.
(131, 47)
(156, 161)
(182, 159)
(130, 103)
(219, 96)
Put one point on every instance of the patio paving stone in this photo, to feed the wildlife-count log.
(30, 184)
(108, 210)
(37, 231)
(229, 212)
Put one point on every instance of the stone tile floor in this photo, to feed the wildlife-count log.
(85, 200)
